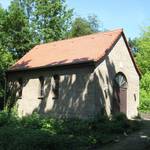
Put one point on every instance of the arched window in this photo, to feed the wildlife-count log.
(119, 103)
(41, 88)
(121, 80)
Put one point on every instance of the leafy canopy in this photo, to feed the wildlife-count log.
(49, 19)
(27, 23)
(30, 22)
(5, 61)
(143, 54)
(143, 60)
(15, 30)
(83, 26)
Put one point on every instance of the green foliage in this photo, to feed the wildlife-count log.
(145, 93)
(39, 132)
(5, 61)
(120, 123)
(26, 23)
(145, 82)
(3, 36)
(15, 30)
(82, 26)
(142, 45)
(8, 119)
(49, 19)
(32, 121)
(133, 45)
(144, 101)
(29, 22)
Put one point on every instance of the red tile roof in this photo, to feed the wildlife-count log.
(81, 49)
(89, 48)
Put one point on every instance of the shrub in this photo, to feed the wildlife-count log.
(4, 118)
(37, 132)
(144, 93)
(144, 101)
(31, 121)
(8, 119)
(119, 123)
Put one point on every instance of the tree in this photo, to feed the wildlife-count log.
(28, 7)
(83, 26)
(30, 22)
(49, 19)
(133, 45)
(3, 34)
(26, 23)
(143, 46)
(17, 30)
(94, 23)
(143, 60)
(5, 61)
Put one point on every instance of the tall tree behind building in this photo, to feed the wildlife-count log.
(18, 38)
(26, 23)
(143, 60)
(49, 19)
(82, 26)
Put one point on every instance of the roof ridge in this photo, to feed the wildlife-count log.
(83, 36)
(83, 48)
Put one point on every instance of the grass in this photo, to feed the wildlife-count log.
(45, 133)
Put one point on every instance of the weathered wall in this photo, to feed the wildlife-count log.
(76, 93)
(118, 60)
(83, 91)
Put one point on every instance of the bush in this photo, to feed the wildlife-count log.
(144, 93)
(145, 105)
(37, 132)
(32, 121)
(4, 118)
(8, 119)
(144, 101)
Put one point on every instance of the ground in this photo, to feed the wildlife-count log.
(137, 141)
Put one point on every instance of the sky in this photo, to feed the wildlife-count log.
(131, 15)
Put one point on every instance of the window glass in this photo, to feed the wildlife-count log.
(120, 79)
(41, 91)
(56, 87)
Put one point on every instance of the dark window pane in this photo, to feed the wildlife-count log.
(121, 80)
(20, 81)
(41, 92)
(56, 87)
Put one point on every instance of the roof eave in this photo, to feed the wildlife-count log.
(132, 58)
(99, 60)
(88, 62)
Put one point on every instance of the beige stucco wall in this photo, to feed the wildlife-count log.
(83, 91)
(119, 60)
(76, 93)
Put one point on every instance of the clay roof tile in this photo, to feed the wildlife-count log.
(80, 49)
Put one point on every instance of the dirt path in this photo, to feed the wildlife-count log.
(136, 141)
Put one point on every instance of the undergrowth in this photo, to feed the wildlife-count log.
(37, 132)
